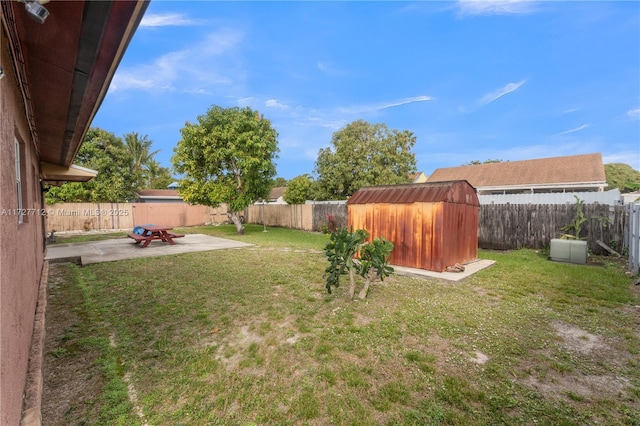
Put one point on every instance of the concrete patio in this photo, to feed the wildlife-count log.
(125, 248)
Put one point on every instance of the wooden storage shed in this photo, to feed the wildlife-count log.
(432, 225)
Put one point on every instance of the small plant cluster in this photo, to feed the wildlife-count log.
(330, 227)
(350, 252)
(572, 231)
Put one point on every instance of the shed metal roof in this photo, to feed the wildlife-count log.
(459, 191)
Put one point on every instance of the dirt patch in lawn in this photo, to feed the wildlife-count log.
(578, 387)
(577, 340)
(575, 385)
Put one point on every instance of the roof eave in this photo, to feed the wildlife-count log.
(54, 174)
(65, 66)
(543, 186)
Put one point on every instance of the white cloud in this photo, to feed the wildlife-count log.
(325, 122)
(494, 7)
(194, 69)
(330, 70)
(166, 19)
(631, 158)
(576, 129)
(497, 94)
(406, 101)
(274, 103)
(246, 101)
(200, 91)
(358, 109)
(634, 113)
(128, 81)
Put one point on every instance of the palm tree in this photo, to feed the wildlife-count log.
(140, 155)
(156, 176)
(139, 152)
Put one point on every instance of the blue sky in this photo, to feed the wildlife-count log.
(473, 80)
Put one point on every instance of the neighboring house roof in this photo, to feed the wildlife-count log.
(569, 171)
(159, 194)
(65, 65)
(418, 177)
(277, 192)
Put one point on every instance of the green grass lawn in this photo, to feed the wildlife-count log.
(250, 336)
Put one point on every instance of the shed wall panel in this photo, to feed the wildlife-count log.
(435, 261)
(428, 236)
(460, 230)
(432, 226)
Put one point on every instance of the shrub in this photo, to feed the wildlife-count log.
(349, 252)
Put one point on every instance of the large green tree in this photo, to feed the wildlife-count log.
(116, 181)
(279, 181)
(364, 154)
(298, 190)
(622, 176)
(227, 157)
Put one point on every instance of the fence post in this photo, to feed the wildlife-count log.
(633, 237)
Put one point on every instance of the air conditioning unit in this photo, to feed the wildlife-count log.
(570, 251)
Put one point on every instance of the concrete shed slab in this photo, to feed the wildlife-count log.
(470, 268)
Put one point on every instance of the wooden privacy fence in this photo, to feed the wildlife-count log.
(512, 226)
(294, 216)
(112, 216)
(107, 216)
(306, 217)
(500, 226)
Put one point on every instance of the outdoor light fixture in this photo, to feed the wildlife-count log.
(36, 10)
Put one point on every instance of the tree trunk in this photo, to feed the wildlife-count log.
(352, 284)
(235, 218)
(365, 289)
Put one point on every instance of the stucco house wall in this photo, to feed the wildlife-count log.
(54, 78)
(21, 245)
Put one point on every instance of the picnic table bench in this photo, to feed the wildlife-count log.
(153, 232)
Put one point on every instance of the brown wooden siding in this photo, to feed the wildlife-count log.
(459, 234)
(426, 234)
(429, 236)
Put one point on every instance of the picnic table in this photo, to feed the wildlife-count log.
(153, 232)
